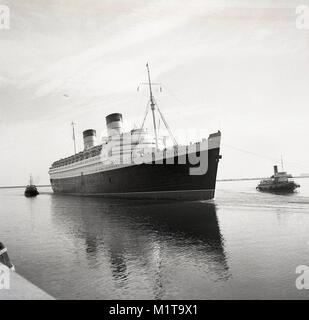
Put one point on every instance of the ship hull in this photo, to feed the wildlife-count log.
(287, 187)
(31, 191)
(146, 181)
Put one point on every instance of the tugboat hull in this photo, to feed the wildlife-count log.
(31, 191)
(288, 187)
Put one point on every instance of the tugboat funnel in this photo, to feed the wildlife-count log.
(275, 170)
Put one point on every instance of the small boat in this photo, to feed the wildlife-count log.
(279, 182)
(31, 190)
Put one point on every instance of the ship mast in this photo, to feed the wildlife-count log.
(282, 163)
(74, 140)
(152, 105)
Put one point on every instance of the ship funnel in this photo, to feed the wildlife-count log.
(275, 170)
(90, 138)
(114, 124)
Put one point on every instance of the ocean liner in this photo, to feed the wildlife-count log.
(139, 164)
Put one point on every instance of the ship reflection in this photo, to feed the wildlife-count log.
(140, 242)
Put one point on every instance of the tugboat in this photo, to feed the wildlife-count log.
(279, 182)
(31, 190)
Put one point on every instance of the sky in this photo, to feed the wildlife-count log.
(240, 66)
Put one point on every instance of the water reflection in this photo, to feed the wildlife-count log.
(140, 243)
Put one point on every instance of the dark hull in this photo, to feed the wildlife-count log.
(153, 181)
(31, 192)
(279, 187)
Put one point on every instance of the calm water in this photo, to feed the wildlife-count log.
(245, 244)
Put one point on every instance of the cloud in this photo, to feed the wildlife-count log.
(238, 62)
